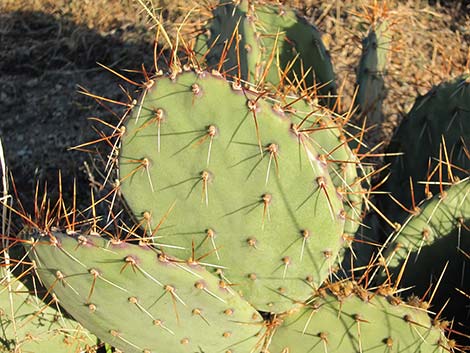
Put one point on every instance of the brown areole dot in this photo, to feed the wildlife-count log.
(200, 285)
(184, 341)
(228, 312)
(425, 234)
(94, 272)
(251, 104)
(159, 114)
(223, 285)
(323, 336)
(327, 254)
(92, 307)
(236, 86)
(305, 233)
(196, 311)
(266, 198)
(212, 130)
(59, 275)
(252, 242)
(321, 181)
(196, 89)
(82, 240)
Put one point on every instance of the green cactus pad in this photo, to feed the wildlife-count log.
(139, 300)
(30, 325)
(272, 38)
(329, 139)
(371, 71)
(206, 163)
(442, 114)
(344, 166)
(437, 238)
(358, 321)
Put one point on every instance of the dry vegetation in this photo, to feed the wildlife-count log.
(49, 47)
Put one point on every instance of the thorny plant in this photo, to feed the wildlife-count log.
(105, 217)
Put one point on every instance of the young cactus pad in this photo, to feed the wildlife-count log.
(141, 301)
(371, 71)
(434, 242)
(264, 42)
(229, 177)
(355, 320)
(30, 325)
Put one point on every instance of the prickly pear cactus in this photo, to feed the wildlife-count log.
(265, 42)
(216, 173)
(329, 138)
(435, 244)
(434, 139)
(350, 319)
(30, 325)
(139, 300)
(371, 71)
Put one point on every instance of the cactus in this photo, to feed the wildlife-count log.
(433, 243)
(244, 198)
(230, 181)
(349, 319)
(329, 138)
(140, 300)
(371, 71)
(434, 139)
(274, 45)
(30, 325)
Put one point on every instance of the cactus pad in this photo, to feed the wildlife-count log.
(437, 239)
(230, 178)
(30, 325)
(273, 43)
(434, 139)
(139, 300)
(371, 71)
(354, 320)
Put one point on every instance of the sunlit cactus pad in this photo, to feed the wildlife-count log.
(354, 320)
(331, 139)
(29, 324)
(433, 245)
(265, 42)
(141, 301)
(234, 180)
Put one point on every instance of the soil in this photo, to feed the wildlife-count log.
(44, 61)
